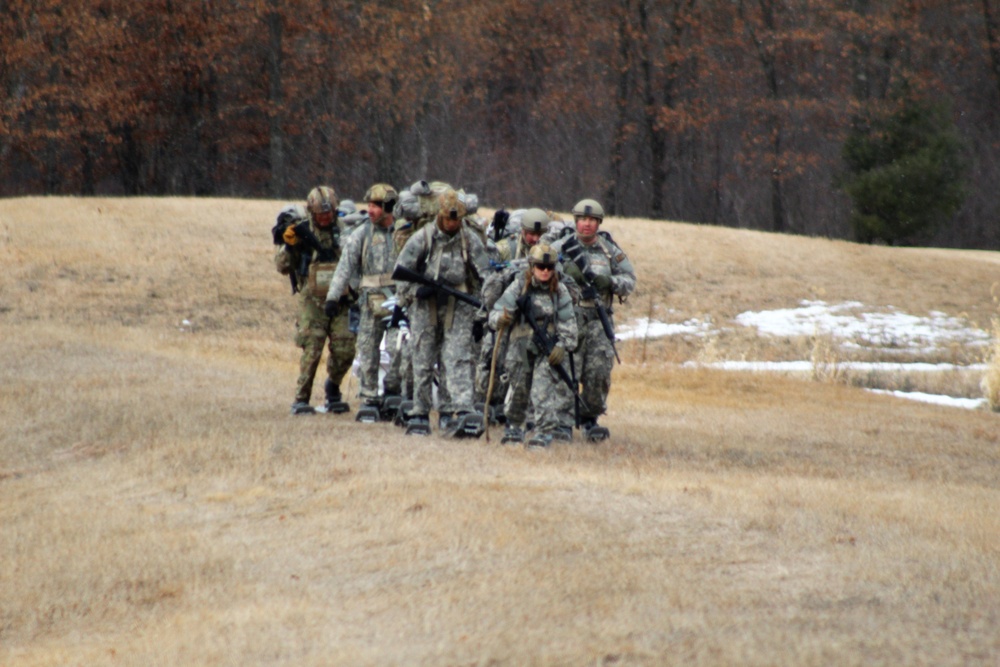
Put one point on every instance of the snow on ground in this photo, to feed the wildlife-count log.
(852, 325)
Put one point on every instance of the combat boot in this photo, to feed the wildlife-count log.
(512, 434)
(593, 432)
(465, 425)
(302, 408)
(369, 412)
(390, 406)
(418, 425)
(445, 421)
(563, 434)
(334, 401)
(402, 413)
(539, 441)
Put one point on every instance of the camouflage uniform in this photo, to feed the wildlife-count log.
(512, 247)
(443, 327)
(595, 356)
(369, 255)
(314, 328)
(532, 377)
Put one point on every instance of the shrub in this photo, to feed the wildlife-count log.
(905, 170)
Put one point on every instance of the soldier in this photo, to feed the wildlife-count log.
(513, 251)
(602, 271)
(309, 255)
(536, 299)
(447, 255)
(534, 223)
(369, 255)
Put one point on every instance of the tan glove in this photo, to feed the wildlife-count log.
(504, 319)
(557, 355)
(289, 236)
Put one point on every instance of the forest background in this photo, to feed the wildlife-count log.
(728, 112)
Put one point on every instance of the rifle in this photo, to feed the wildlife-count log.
(575, 253)
(545, 345)
(500, 219)
(322, 254)
(285, 220)
(403, 273)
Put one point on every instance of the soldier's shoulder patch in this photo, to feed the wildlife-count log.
(620, 257)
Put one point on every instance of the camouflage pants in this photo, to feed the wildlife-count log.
(594, 361)
(533, 380)
(452, 347)
(313, 330)
(370, 334)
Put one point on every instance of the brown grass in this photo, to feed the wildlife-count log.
(159, 506)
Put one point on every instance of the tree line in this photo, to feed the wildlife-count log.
(729, 112)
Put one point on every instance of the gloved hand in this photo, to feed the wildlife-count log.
(602, 282)
(504, 319)
(425, 292)
(557, 355)
(331, 308)
(574, 272)
(289, 236)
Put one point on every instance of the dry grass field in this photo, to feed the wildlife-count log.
(158, 505)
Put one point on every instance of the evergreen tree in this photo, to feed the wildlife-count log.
(905, 171)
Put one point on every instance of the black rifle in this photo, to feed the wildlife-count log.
(500, 219)
(403, 273)
(545, 344)
(303, 232)
(277, 234)
(575, 253)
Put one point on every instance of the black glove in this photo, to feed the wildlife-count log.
(425, 292)
(478, 329)
(331, 308)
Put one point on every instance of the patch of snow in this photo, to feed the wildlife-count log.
(848, 321)
(646, 328)
(937, 399)
(890, 332)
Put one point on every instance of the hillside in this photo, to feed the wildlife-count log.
(159, 506)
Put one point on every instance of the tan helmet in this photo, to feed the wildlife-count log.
(588, 208)
(542, 254)
(321, 199)
(382, 193)
(535, 221)
(450, 206)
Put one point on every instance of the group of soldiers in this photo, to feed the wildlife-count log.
(507, 321)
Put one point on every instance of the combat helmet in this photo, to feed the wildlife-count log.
(321, 199)
(542, 254)
(535, 221)
(589, 208)
(450, 207)
(384, 194)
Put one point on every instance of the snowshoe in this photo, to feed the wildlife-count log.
(401, 414)
(465, 425)
(368, 414)
(337, 407)
(418, 425)
(512, 434)
(563, 434)
(597, 433)
(390, 406)
(539, 441)
(302, 408)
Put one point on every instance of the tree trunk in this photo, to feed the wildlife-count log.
(276, 101)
